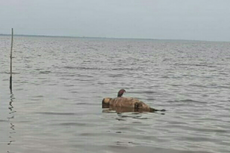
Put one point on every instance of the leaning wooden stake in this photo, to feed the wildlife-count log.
(11, 56)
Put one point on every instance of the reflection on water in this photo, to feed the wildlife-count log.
(120, 110)
(58, 85)
(11, 122)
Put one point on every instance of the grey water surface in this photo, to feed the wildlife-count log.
(59, 83)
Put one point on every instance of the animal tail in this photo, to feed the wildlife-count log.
(154, 110)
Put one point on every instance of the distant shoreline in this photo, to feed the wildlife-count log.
(82, 37)
(23, 35)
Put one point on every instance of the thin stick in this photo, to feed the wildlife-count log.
(11, 56)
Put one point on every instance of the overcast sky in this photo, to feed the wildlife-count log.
(156, 19)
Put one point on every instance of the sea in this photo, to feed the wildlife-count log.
(59, 82)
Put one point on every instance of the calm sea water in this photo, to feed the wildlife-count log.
(58, 85)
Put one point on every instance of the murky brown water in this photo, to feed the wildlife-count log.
(58, 85)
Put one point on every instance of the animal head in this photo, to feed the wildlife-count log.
(120, 92)
(105, 102)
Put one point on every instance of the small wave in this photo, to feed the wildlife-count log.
(122, 69)
(146, 91)
(87, 76)
(91, 104)
(195, 65)
(116, 75)
(9, 73)
(82, 68)
(54, 113)
(44, 72)
(72, 124)
(186, 101)
(3, 121)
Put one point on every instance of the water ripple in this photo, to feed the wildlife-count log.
(58, 84)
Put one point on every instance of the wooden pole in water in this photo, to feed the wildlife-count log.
(11, 56)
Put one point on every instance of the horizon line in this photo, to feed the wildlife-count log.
(91, 37)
